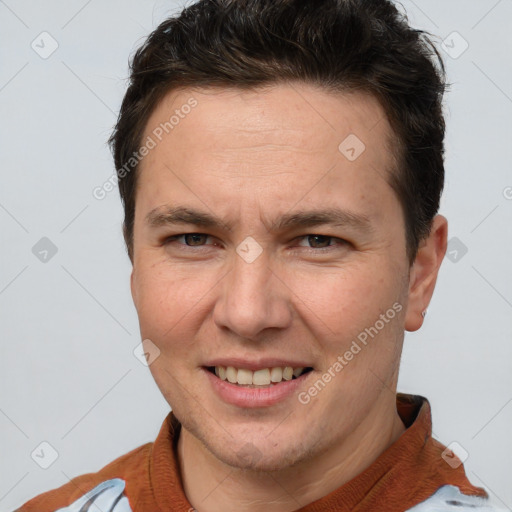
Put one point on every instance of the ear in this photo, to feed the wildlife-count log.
(132, 287)
(424, 270)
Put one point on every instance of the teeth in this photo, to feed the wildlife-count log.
(231, 374)
(264, 377)
(276, 374)
(244, 377)
(261, 377)
(296, 372)
(288, 373)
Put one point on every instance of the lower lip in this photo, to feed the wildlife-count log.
(254, 397)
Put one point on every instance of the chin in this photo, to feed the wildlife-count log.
(251, 458)
(267, 455)
(250, 448)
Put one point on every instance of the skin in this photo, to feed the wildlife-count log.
(250, 157)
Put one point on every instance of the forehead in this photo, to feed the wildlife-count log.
(268, 139)
(301, 113)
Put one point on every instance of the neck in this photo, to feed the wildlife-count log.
(212, 486)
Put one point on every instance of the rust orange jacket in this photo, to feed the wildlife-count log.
(416, 474)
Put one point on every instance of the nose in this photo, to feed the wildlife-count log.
(252, 298)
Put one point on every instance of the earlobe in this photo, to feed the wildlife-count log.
(424, 273)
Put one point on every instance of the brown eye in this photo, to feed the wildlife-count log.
(188, 240)
(194, 239)
(319, 241)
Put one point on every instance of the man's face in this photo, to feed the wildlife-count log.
(295, 294)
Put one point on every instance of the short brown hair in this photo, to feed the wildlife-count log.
(341, 45)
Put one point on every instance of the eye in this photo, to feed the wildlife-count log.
(190, 239)
(321, 241)
(314, 242)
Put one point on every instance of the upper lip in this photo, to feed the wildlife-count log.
(258, 364)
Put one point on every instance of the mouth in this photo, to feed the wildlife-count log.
(262, 378)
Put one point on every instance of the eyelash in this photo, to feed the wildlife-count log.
(341, 242)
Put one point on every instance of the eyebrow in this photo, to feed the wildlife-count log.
(327, 216)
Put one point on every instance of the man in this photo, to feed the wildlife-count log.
(280, 164)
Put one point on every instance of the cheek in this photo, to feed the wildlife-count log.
(348, 297)
(167, 300)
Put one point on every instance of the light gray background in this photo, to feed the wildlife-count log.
(68, 327)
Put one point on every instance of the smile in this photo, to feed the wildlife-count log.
(257, 388)
(265, 377)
